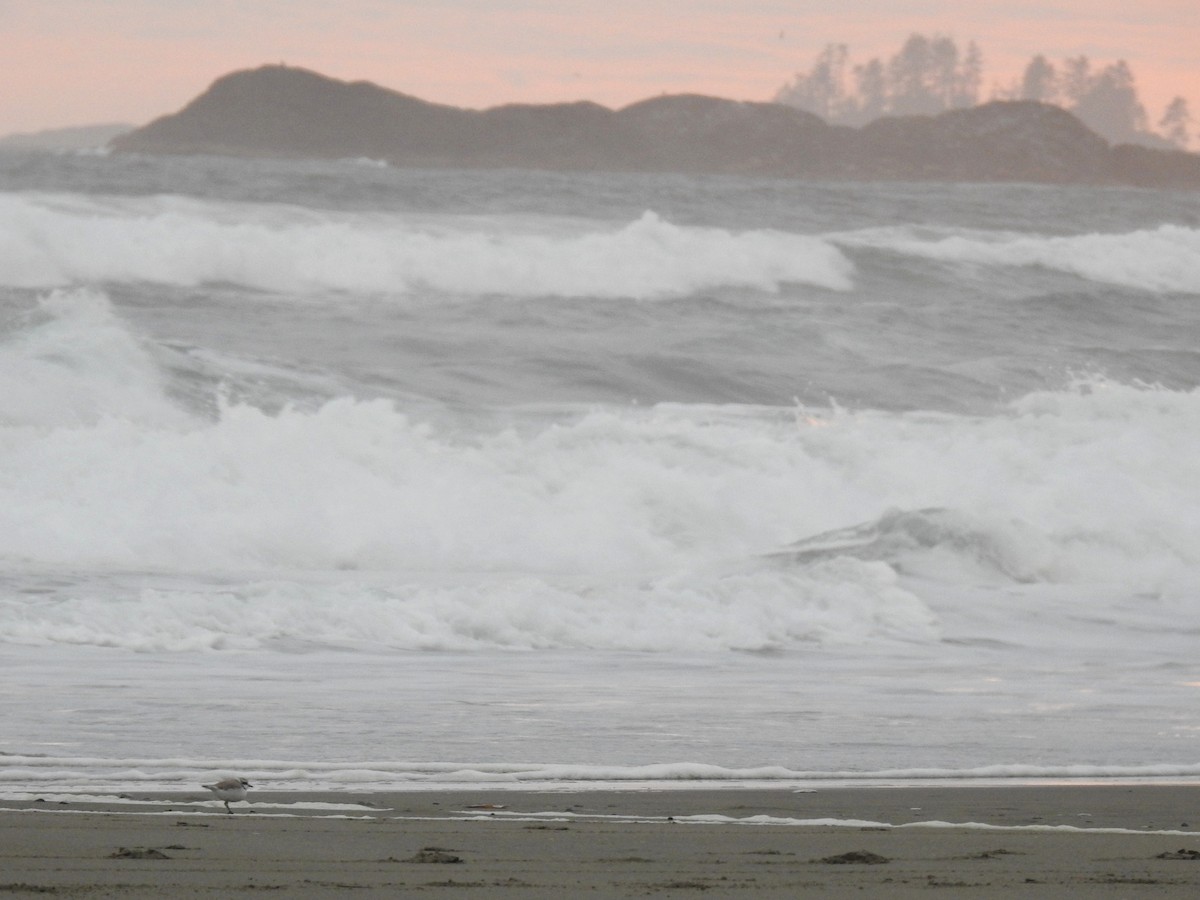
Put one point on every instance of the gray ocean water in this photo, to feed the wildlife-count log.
(362, 475)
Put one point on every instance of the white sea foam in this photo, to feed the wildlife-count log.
(651, 529)
(58, 241)
(822, 822)
(75, 363)
(1162, 259)
(147, 806)
(862, 823)
(837, 602)
(84, 779)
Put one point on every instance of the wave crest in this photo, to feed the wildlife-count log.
(50, 242)
(1164, 259)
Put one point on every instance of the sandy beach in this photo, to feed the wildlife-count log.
(1009, 841)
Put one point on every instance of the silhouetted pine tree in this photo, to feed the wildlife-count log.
(929, 75)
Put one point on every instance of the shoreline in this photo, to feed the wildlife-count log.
(999, 841)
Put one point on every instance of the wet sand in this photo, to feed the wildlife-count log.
(1042, 842)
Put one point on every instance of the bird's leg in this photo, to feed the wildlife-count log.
(227, 809)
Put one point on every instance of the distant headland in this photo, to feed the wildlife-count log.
(284, 112)
(83, 137)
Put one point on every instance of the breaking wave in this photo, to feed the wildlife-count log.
(1163, 259)
(48, 241)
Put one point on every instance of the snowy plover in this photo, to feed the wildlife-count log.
(229, 789)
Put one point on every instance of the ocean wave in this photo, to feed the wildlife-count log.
(673, 526)
(86, 776)
(72, 361)
(63, 241)
(1165, 259)
(840, 602)
(1011, 550)
(1065, 487)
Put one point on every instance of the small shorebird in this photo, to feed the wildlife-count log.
(229, 789)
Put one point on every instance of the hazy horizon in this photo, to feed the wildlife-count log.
(77, 64)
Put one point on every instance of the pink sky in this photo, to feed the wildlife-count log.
(78, 62)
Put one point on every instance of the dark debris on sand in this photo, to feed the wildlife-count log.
(138, 853)
(434, 855)
(855, 857)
